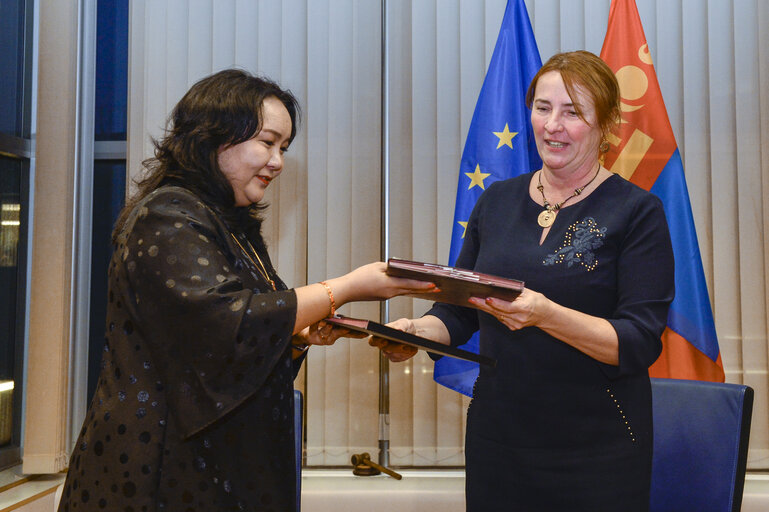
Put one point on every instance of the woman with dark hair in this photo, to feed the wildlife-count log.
(194, 405)
(564, 421)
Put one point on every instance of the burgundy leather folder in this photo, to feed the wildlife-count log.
(457, 285)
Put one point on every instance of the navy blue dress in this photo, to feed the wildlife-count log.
(194, 405)
(550, 428)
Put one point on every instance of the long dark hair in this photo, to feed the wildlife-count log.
(222, 109)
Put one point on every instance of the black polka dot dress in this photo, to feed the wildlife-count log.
(194, 405)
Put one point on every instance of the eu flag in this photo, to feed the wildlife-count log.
(643, 149)
(499, 145)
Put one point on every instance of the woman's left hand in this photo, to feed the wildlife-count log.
(322, 333)
(528, 309)
(396, 352)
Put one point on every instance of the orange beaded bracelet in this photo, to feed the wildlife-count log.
(330, 297)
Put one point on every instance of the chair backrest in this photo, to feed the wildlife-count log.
(298, 409)
(701, 432)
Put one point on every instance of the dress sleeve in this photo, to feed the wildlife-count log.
(645, 288)
(213, 339)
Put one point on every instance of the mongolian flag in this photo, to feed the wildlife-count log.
(499, 145)
(643, 150)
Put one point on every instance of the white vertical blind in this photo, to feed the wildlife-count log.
(344, 210)
(712, 63)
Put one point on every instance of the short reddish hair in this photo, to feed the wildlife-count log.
(586, 72)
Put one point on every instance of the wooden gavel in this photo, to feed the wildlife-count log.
(362, 461)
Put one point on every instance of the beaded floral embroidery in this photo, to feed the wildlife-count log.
(582, 239)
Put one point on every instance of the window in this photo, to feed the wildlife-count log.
(109, 183)
(15, 153)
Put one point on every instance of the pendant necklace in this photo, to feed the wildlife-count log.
(546, 218)
(259, 267)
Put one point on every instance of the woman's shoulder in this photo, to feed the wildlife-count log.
(620, 190)
(171, 194)
(522, 180)
(501, 192)
(508, 186)
(168, 203)
(171, 200)
(630, 205)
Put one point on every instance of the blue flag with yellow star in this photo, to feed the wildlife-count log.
(499, 145)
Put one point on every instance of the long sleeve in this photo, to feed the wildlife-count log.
(645, 288)
(213, 326)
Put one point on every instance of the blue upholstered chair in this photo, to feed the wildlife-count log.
(701, 432)
(298, 408)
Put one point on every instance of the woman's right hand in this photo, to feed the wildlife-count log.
(396, 352)
(371, 282)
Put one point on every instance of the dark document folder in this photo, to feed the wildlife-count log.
(457, 285)
(388, 333)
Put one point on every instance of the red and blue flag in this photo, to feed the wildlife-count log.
(643, 150)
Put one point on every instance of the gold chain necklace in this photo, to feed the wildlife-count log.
(260, 267)
(546, 218)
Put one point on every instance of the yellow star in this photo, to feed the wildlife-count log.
(464, 225)
(505, 137)
(477, 177)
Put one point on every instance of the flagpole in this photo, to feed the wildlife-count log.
(384, 363)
